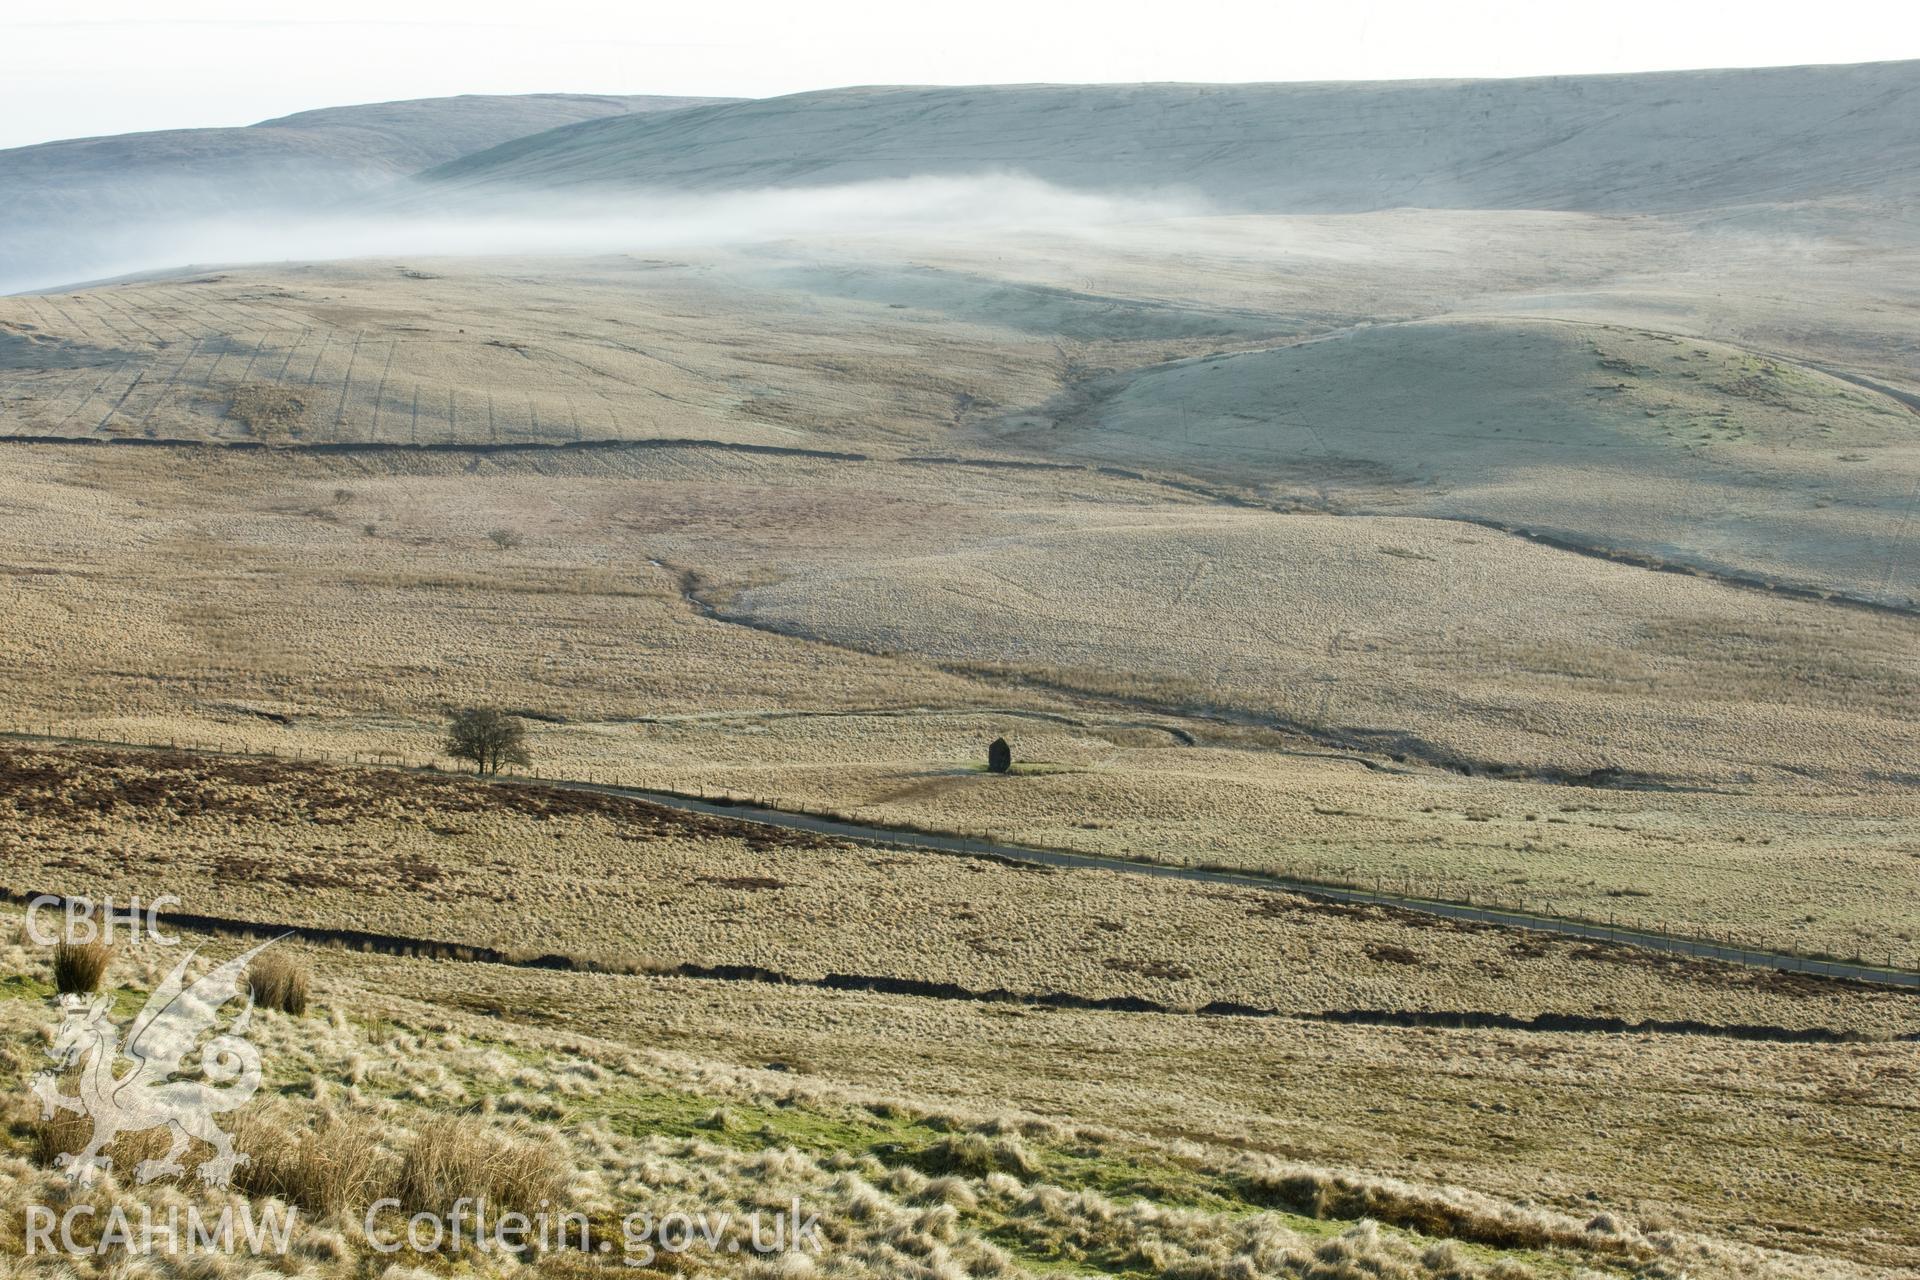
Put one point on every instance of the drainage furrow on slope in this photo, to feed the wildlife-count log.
(881, 984)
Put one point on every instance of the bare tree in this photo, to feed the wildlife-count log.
(487, 739)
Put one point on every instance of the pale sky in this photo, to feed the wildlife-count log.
(71, 69)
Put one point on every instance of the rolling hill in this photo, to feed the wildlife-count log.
(1620, 143)
(52, 191)
(311, 152)
(1611, 437)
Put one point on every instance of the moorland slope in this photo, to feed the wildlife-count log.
(53, 194)
(1617, 144)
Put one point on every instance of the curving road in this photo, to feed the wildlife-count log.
(970, 847)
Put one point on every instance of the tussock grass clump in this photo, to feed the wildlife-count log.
(976, 1155)
(1437, 1214)
(279, 981)
(65, 1133)
(80, 967)
(61, 1134)
(328, 1165)
(456, 1156)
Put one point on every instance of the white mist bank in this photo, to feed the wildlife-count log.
(573, 225)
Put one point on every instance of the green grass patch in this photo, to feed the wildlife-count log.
(1030, 769)
(21, 987)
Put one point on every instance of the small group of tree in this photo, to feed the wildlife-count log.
(487, 739)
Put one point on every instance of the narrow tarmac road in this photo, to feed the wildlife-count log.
(971, 847)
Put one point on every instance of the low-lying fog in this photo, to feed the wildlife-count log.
(426, 222)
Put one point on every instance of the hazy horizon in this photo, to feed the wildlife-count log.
(212, 63)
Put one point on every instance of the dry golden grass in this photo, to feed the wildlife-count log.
(1781, 731)
(79, 967)
(66, 1134)
(1795, 1147)
(1186, 681)
(454, 1157)
(976, 1155)
(552, 625)
(1804, 872)
(279, 981)
(326, 1161)
(618, 349)
(967, 1173)
(1463, 655)
(268, 412)
(628, 885)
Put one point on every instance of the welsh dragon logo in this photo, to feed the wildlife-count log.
(129, 1088)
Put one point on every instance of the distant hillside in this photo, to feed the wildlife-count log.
(1620, 143)
(140, 172)
(52, 191)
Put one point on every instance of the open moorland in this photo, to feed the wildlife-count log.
(617, 1093)
(1335, 696)
(619, 884)
(1520, 515)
